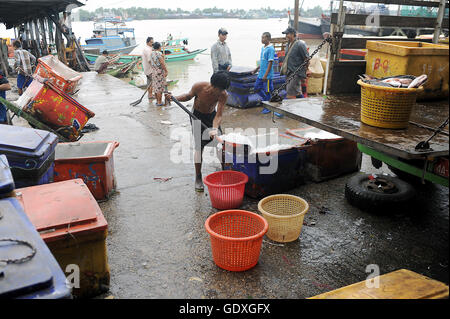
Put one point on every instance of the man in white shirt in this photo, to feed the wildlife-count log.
(147, 66)
(220, 53)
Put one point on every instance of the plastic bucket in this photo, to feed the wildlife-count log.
(226, 188)
(236, 238)
(284, 214)
(387, 107)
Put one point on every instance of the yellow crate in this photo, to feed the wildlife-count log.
(386, 107)
(390, 58)
(72, 225)
(399, 284)
(89, 253)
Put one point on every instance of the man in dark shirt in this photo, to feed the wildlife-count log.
(4, 86)
(296, 54)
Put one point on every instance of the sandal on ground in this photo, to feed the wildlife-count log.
(199, 185)
(278, 114)
(265, 111)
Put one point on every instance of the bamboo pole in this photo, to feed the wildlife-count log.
(38, 38)
(296, 13)
(335, 53)
(3, 63)
(440, 17)
(44, 37)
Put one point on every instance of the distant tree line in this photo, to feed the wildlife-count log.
(139, 13)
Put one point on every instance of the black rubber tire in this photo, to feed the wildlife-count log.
(359, 196)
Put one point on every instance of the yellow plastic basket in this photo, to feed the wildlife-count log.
(284, 214)
(387, 107)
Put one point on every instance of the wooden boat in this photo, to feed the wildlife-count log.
(172, 54)
(176, 50)
(122, 71)
(123, 59)
(112, 36)
(144, 86)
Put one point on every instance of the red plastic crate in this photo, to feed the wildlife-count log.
(58, 74)
(72, 225)
(91, 161)
(58, 110)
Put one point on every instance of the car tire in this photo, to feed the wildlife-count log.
(393, 195)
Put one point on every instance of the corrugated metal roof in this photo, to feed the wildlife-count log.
(13, 12)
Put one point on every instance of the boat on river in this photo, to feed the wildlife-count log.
(174, 50)
(115, 37)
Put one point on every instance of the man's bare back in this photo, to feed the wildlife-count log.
(206, 97)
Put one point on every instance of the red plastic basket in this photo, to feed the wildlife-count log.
(236, 238)
(226, 188)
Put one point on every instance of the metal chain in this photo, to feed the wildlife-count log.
(275, 93)
(19, 260)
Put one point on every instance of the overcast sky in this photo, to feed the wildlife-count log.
(193, 4)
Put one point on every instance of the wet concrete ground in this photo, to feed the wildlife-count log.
(157, 243)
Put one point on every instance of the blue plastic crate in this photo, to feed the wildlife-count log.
(247, 100)
(30, 152)
(38, 278)
(243, 100)
(289, 173)
(45, 178)
(6, 179)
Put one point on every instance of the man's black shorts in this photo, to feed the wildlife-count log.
(207, 119)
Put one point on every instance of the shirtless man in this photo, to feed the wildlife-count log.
(207, 96)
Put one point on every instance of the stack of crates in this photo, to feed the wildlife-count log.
(392, 58)
(72, 225)
(30, 153)
(31, 271)
(241, 92)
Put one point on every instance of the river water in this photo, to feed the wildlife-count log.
(244, 41)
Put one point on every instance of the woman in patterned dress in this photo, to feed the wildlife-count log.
(159, 73)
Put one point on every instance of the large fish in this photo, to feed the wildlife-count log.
(398, 81)
(418, 81)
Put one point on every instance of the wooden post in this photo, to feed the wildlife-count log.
(38, 38)
(440, 17)
(50, 31)
(44, 37)
(27, 36)
(3, 53)
(59, 42)
(341, 28)
(335, 54)
(296, 13)
(81, 59)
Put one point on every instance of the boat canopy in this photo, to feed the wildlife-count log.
(110, 42)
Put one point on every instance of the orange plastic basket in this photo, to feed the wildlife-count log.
(236, 238)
